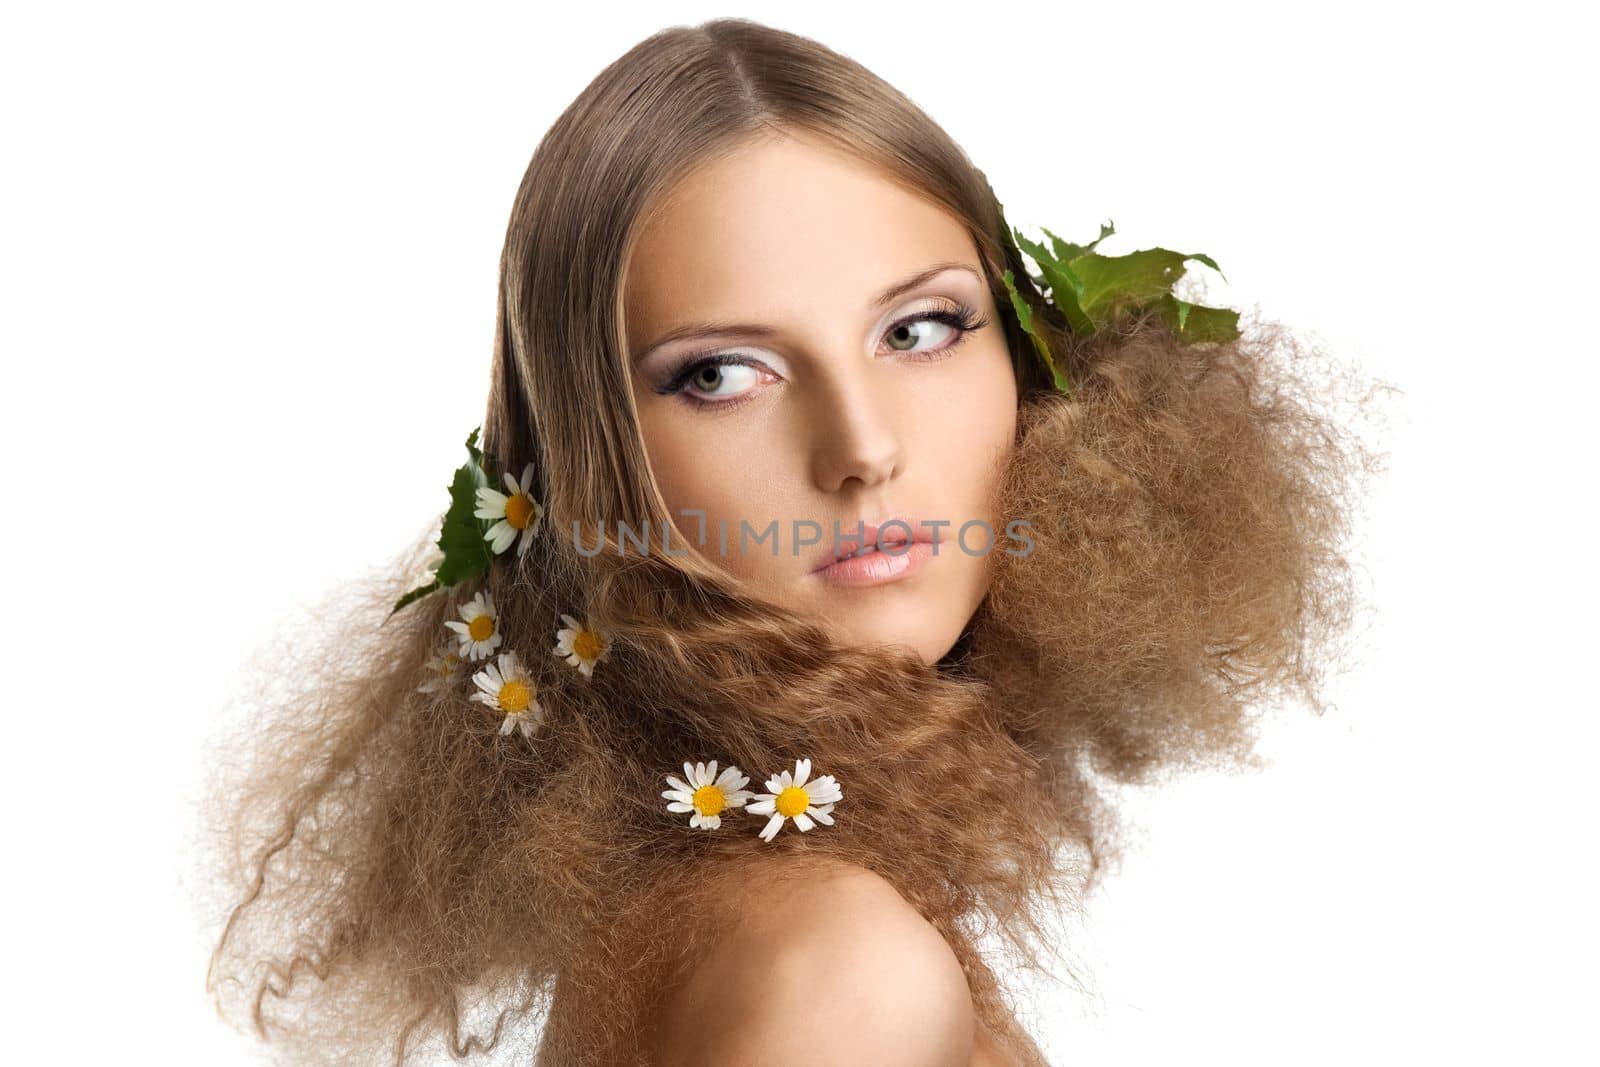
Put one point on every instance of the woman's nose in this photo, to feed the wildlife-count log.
(856, 431)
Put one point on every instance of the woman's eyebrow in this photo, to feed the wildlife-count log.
(711, 328)
(893, 293)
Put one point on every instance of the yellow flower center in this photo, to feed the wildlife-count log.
(792, 801)
(520, 510)
(515, 697)
(708, 800)
(481, 628)
(588, 644)
(448, 663)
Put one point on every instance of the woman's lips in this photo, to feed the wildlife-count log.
(875, 566)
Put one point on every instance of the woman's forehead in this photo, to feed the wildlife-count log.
(781, 226)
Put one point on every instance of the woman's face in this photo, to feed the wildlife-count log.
(846, 365)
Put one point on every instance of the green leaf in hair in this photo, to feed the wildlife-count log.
(1092, 290)
(462, 535)
(1040, 346)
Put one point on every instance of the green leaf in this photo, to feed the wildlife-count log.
(1018, 304)
(1066, 251)
(1092, 290)
(1113, 283)
(461, 533)
(1196, 323)
(1009, 237)
(461, 537)
(1065, 285)
(1040, 346)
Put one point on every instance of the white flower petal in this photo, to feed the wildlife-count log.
(825, 794)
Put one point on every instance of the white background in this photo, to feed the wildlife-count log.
(249, 261)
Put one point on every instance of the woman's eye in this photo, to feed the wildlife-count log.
(727, 379)
(904, 336)
(718, 379)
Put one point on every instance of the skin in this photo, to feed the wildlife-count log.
(836, 415)
(843, 968)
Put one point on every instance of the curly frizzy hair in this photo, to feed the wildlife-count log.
(393, 872)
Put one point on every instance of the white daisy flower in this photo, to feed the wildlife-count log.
(582, 645)
(441, 668)
(707, 793)
(479, 628)
(516, 512)
(789, 797)
(509, 688)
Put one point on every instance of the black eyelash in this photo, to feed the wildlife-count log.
(681, 378)
(963, 319)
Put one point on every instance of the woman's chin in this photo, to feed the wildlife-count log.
(925, 633)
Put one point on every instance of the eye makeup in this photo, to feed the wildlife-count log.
(957, 315)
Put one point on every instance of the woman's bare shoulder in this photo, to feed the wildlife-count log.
(830, 956)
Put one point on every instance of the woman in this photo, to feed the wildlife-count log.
(775, 477)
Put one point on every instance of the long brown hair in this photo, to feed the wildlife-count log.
(399, 871)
